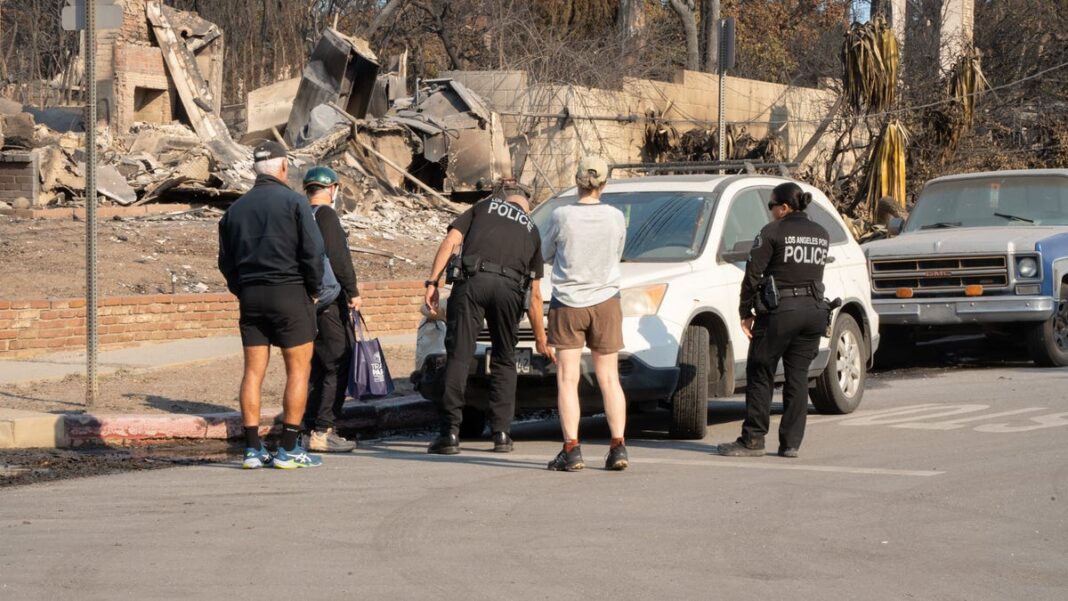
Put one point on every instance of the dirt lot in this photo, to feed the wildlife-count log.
(45, 258)
(208, 387)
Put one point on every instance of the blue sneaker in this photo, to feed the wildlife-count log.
(298, 457)
(256, 458)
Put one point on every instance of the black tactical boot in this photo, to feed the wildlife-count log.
(445, 444)
(739, 448)
(502, 442)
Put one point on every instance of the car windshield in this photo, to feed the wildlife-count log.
(992, 202)
(661, 226)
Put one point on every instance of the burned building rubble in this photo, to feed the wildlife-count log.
(163, 138)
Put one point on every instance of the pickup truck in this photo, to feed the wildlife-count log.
(980, 252)
(688, 237)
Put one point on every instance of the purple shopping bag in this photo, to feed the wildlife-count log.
(369, 376)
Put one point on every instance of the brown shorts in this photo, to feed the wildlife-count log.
(599, 327)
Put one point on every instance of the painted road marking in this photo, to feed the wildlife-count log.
(917, 417)
(713, 461)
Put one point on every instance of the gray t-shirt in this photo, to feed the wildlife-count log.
(584, 245)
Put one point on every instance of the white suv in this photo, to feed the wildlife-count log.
(687, 241)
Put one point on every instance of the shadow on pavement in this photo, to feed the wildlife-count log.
(416, 451)
(177, 405)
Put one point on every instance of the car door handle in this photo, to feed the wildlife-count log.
(829, 259)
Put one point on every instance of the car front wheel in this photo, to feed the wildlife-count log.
(840, 387)
(689, 404)
(1047, 342)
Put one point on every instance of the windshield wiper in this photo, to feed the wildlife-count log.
(940, 224)
(1014, 217)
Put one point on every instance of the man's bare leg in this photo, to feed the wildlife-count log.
(568, 371)
(606, 365)
(298, 372)
(256, 360)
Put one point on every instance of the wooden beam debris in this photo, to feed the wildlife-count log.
(193, 89)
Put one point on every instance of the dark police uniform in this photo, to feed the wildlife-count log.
(501, 251)
(271, 254)
(793, 250)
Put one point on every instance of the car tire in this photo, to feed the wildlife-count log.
(897, 346)
(474, 423)
(840, 388)
(689, 403)
(1047, 343)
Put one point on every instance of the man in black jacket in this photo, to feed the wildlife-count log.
(271, 254)
(332, 360)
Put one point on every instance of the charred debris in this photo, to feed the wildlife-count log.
(396, 151)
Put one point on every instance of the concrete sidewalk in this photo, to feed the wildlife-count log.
(148, 356)
(26, 429)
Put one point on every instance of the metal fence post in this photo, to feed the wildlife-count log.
(91, 385)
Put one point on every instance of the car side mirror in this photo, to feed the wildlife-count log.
(895, 225)
(734, 256)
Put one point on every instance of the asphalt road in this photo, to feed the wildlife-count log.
(947, 484)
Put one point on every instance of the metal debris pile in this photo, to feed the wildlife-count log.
(396, 153)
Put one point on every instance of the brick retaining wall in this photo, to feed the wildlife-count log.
(31, 327)
(18, 175)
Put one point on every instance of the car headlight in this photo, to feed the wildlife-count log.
(642, 301)
(1026, 267)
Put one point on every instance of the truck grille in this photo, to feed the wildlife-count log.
(525, 334)
(940, 274)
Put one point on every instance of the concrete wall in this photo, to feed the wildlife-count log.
(551, 147)
(32, 327)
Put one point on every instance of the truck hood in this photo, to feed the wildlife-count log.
(964, 240)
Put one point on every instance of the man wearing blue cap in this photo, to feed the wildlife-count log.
(271, 254)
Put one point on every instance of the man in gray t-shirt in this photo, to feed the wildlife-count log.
(584, 244)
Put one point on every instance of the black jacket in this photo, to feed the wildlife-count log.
(793, 250)
(337, 248)
(269, 237)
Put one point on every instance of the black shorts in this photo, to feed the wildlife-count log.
(282, 316)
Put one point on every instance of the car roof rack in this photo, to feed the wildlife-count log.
(738, 166)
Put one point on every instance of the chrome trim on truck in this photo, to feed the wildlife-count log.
(896, 311)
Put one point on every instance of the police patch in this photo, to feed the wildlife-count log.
(757, 242)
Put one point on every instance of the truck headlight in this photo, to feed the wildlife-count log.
(638, 302)
(1026, 267)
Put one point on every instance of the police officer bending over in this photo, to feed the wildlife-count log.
(783, 286)
(500, 260)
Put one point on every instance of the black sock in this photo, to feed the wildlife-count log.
(289, 436)
(252, 437)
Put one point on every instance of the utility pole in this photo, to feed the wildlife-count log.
(726, 62)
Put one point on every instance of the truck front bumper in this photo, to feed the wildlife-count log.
(945, 311)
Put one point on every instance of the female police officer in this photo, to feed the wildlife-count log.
(788, 256)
